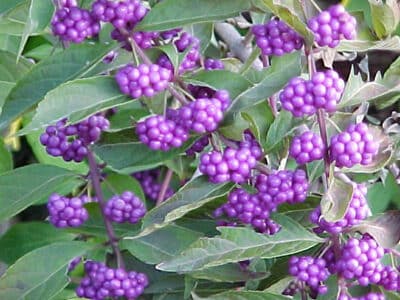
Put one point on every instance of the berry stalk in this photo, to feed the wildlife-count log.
(322, 129)
(95, 178)
(164, 187)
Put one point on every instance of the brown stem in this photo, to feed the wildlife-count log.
(164, 187)
(95, 176)
(322, 130)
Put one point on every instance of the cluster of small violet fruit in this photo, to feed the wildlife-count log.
(198, 114)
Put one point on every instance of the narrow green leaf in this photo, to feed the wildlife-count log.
(40, 274)
(22, 238)
(275, 77)
(191, 196)
(335, 201)
(6, 160)
(385, 17)
(132, 157)
(220, 79)
(80, 97)
(170, 14)
(243, 295)
(25, 186)
(39, 16)
(236, 244)
(10, 73)
(389, 44)
(162, 244)
(48, 74)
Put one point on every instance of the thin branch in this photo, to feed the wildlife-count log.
(164, 187)
(95, 176)
(234, 40)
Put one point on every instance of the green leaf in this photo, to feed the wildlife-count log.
(290, 11)
(336, 200)
(22, 238)
(220, 79)
(13, 22)
(243, 295)
(132, 157)
(6, 161)
(117, 183)
(162, 244)
(283, 126)
(40, 274)
(191, 196)
(39, 16)
(170, 14)
(69, 99)
(274, 78)
(384, 228)
(9, 42)
(389, 44)
(28, 185)
(204, 32)
(236, 244)
(74, 62)
(385, 16)
(6, 5)
(10, 73)
(380, 194)
(260, 118)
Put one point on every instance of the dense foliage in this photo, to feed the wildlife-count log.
(187, 149)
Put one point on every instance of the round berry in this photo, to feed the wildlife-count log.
(307, 147)
(126, 207)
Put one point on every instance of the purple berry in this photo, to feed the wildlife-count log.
(125, 208)
(390, 279)
(169, 34)
(304, 97)
(162, 134)
(283, 186)
(251, 143)
(333, 25)
(357, 211)
(213, 64)
(276, 38)
(144, 80)
(73, 24)
(150, 185)
(232, 165)
(311, 271)
(66, 212)
(360, 260)
(101, 282)
(307, 147)
(74, 263)
(198, 145)
(353, 146)
(68, 3)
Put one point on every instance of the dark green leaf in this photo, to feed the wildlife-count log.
(6, 161)
(28, 185)
(236, 244)
(117, 183)
(228, 273)
(74, 62)
(335, 201)
(260, 118)
(79, 99)
(40, 274)
(170, 14)
(162, 244)
(191, 196)
(22, 238)
(380, 194)
(275, 77)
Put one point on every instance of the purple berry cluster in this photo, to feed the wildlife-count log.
(390, 279)
(73, 24)
(360, 259)
(150, 185)
(71, 141)
(283, 186)
(231, 165)
(68, 3)
(353, 146)
(250, 142)
(333, 25)
(102, 283)
(143, 80)
(159, 133)
(213, 64)
(276, 38)
(312, 271)
(126, 207)
(248, 209)
(192, 57)
(357, 211)
(67, 212)
(304, 97)
(307, 147)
